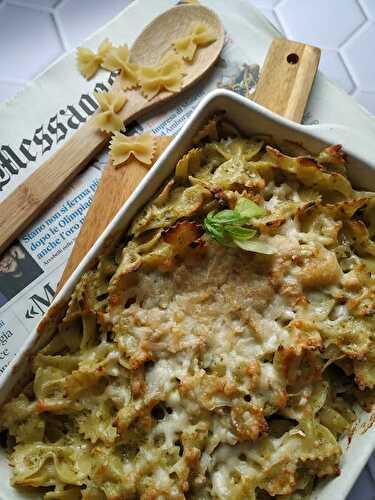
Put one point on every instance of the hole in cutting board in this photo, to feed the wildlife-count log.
(292, 58)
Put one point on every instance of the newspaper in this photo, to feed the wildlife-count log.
(30, 133)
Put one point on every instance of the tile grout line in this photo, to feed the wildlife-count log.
(353, 33)
(284, 25)
(60, 34)
(351, 78)
(362, 8)
(347, 61)
(352, 72)
(369, 14)
(37, 8)
(278, 20)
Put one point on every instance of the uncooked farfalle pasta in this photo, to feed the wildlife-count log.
(200, 36)
(142, 147)
(167, 75)
(118, 59)
(89, 61)
(110, 104)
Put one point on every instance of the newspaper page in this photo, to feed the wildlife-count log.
(32, 266)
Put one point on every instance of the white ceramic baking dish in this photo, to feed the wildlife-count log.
(250, 118)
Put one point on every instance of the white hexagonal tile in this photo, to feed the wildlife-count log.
(49, 4)
(78, 19)
(332, 65)
(358, 54)
(28, 42)
(369, 7)
(326, 23)
(367, 99)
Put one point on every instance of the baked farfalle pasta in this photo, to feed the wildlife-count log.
(208, 132)
(200, 36)
(167, 75)
(188, 367)
(118, 59)
(89, 62)
(110, 104)
(142, 147)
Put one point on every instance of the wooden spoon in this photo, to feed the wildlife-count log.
(29, 199)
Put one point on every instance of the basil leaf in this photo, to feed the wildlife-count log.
(255, 246)
(249, 209)
(227, 217)
(229, 229)
(216, 231)
(240, 233)
(210, 217)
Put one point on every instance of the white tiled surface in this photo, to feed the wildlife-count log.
(23, 32)
(34, 32)
(344, 29)
(76, 19)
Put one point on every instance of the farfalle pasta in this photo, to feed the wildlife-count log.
(188, 164)
(200, 36)
(118, 59)
(208, 132)
(142, 147)
(189, 368)
(167, 75)
(89, 62)
(110, 104)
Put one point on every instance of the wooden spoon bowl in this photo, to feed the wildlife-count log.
(171, 25)
(155, 41)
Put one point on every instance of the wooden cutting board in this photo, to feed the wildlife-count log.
(284, 87)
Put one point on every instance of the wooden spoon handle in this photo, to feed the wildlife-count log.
(31, 197)
(287, 77)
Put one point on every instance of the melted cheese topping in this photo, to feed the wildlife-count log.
(188, 369)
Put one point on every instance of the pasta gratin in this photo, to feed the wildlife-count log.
(219, 350)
